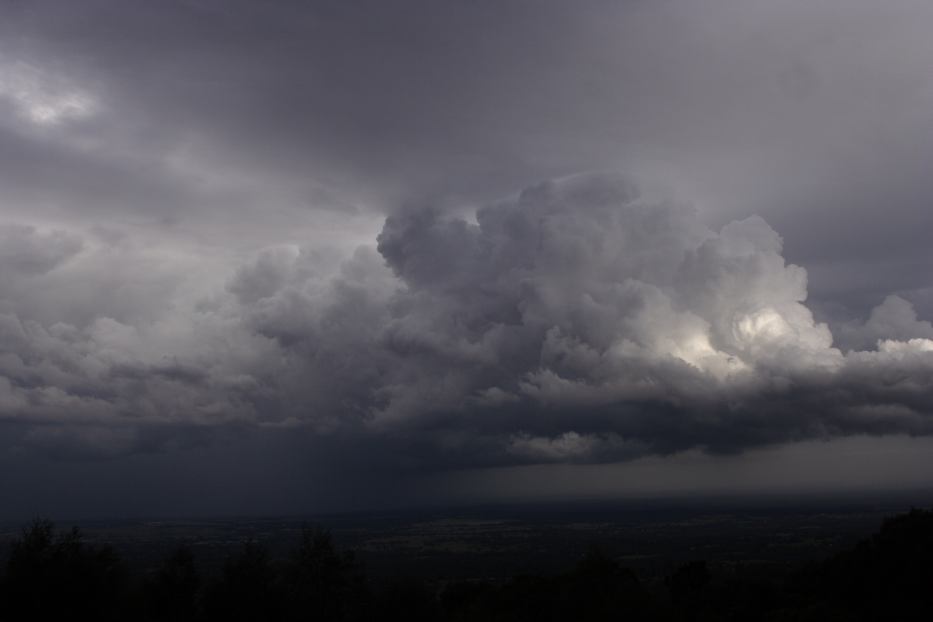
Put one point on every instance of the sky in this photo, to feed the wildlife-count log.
(293, 257)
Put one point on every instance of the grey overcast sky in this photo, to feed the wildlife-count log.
(262, 257)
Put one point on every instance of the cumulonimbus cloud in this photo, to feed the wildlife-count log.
(579, 321)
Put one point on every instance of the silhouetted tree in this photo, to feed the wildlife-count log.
(51, 576)
(688, 581)
(466, 601)
(889, 576)
(54, 576)
(173, 591)
(323, 583)
(687, 586)
(600, 589)
(248, 589)
(408, 601)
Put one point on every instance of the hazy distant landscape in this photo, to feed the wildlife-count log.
(763, 534)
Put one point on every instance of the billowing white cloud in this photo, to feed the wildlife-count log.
(895, 318)
(581, 307)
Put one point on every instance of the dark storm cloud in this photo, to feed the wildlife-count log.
(802, 111)
(580, 321)
(192, 194)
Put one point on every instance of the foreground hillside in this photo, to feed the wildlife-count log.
(55, 575)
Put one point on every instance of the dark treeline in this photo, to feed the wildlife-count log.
(57, 575)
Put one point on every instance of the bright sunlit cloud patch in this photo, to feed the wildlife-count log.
(41, 98)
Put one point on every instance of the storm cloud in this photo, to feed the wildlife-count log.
(438, 235)
(578, 321)
(583, 321)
